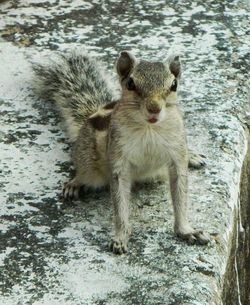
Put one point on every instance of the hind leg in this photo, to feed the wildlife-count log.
(90, 162)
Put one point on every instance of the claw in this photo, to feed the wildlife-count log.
(196, 160)
(195, 237)
(118, 246)
(76, 193)
(71, 189)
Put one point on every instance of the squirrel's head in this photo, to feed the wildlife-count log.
(151, 86)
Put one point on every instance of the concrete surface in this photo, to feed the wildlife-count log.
(54, 252)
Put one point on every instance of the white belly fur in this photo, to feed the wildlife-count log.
(147, 150)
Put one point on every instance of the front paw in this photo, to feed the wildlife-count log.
(194, 237)
(119, 246)
(196, 160)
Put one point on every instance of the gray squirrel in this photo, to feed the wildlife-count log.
(121, 138)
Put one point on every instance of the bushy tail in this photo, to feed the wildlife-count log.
(78, 84)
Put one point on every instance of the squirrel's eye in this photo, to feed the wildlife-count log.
(174, 85)
(130, 84)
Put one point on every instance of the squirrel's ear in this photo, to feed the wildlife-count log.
(174, 64)
(125, 64)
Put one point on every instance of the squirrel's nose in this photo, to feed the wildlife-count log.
(153, 109)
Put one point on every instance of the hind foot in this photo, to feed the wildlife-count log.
(71, 189)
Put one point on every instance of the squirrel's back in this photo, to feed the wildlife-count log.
(78, 83)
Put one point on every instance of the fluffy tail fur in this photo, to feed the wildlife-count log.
(78, 84)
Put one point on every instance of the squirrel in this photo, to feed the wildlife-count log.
(123, 137)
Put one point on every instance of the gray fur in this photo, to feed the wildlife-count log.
(78, 84)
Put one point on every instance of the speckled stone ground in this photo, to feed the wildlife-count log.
(52, 252)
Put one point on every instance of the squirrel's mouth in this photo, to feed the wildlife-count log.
(152, 120)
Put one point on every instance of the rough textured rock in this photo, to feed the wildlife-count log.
(57, 253)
